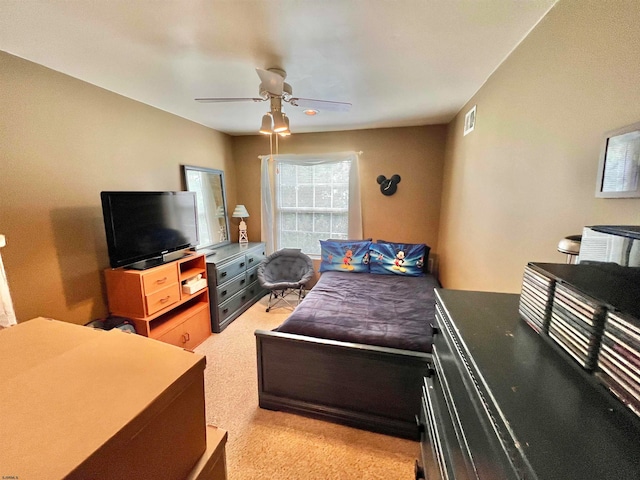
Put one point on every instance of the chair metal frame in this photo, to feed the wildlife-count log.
(280, 296)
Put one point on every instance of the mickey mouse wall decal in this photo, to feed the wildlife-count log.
(388, 186)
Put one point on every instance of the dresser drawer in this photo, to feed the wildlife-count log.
(254, 289)
(227, 271)
(231, 306)
(254, 258)
(162, 298)
(159, 278)
(252, 275)
(230, 288)
(433, 446)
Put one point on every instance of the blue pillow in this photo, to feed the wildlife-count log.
(344, 256)
(398, 258)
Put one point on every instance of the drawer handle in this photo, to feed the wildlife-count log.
(223, 274)
(250, 260)
(419, 424)
(225, 310)
(223, 293)
(242, 281)
(244, 297)
(161, 280)
(165, 299)
(242, 264)
(186, 337)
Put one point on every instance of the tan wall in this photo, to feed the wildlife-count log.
(526, 176)
(415, 153)
(62, 142)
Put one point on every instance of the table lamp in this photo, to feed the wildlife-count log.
(241, 212)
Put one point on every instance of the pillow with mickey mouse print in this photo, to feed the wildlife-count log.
(388, 258)
(345, 256)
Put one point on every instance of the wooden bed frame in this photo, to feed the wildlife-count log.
(362, 386)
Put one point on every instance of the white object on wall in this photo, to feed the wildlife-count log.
(470, 121)
(7, 314)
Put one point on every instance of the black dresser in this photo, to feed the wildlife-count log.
(503, 402)
(232, 272)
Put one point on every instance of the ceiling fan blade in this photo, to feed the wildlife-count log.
(320, 104)
(223, 100)
(272, 82)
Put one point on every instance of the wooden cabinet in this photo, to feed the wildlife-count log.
(233, 281)
(156, 303)
(502, 402)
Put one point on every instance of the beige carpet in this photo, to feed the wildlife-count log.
(279, 446)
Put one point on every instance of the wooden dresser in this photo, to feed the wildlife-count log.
(233, 281)
(503, 402)
(156, 303)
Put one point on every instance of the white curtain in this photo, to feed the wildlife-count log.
(7, 314)
(268, 171)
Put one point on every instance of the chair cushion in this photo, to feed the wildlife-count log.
(286, 268)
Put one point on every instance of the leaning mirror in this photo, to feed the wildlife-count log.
(213, 223)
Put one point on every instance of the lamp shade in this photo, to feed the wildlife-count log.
(266, 124)
(279, 124)
(286, 132)
(240, 212)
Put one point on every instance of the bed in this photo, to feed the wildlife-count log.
(354, 352)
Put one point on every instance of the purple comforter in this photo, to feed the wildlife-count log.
(383, 310)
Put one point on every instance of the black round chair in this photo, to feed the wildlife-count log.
(284, 272)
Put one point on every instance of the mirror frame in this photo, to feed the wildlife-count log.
(628, 136)
(219, 174)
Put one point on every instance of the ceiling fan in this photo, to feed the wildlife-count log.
(274, 89)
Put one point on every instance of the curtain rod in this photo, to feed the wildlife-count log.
(359, 153)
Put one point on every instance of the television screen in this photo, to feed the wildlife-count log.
(142, 227)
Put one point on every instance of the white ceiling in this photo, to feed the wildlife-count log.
(399, 62)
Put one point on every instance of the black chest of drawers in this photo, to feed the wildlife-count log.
(233, 281)
(504, 403)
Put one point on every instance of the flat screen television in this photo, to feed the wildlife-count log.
(145, 228)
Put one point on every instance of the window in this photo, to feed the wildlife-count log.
(310, 198)
(312, 204)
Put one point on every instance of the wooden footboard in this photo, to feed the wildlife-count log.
(373, 388)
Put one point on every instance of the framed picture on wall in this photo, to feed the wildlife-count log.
(619, 168)
(470, 120)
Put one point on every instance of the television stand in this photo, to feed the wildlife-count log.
(155, 302)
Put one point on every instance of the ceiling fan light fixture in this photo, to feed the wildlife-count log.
(265, 128)
(286, 132)
(311, 112)
(279, 124)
